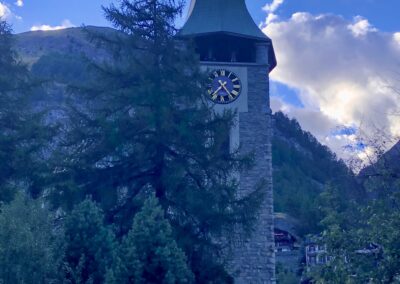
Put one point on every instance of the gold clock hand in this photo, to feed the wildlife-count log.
(219, 89)
(216, 92)
(223, 86)
(222, 83)
(227, 91)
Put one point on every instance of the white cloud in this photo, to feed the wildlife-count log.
(5, 12)
(361, 26)
(19, 3)
(310, 120)
(65, 24)
(270, 9)
(396, 38)
(343, 75)
(271, 18)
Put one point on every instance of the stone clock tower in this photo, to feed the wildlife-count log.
(239, 58)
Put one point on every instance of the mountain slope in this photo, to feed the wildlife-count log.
(302, 168)
(382, 178)
(31, 46)
(387, 165)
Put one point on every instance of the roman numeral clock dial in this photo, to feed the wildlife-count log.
(224, 86)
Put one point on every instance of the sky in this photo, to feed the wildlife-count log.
(338, 68)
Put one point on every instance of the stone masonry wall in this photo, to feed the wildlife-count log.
(254, 258)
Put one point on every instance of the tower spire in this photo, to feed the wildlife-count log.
(210, 16)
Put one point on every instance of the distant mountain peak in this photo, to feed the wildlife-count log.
(31, 46)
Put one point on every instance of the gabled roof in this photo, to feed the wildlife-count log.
(216, 16)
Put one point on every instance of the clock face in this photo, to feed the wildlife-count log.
(224, 86)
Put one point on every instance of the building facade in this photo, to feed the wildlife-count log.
(239, 58)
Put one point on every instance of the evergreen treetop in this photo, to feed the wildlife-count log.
(149, 253)
(90, 247)
(30, 246)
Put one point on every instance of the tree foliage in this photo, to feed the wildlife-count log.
(30, 246)
(90, 246)
(149, 253)
(363, 236)
(22, 134)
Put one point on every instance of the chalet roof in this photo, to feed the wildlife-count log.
(221, 16)
(287, 223)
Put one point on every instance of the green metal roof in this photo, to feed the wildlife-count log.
(224, 16)
(227, 16)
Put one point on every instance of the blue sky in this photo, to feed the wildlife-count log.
(55, 12)
(338, 60)
(382, 13)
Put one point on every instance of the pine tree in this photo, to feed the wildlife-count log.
(30, 247)
(149, 253)
(22, 134)
(145, 125)
(90, 245)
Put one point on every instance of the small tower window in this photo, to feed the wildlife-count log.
(226, 48)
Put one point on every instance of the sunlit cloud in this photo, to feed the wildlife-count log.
(271, 18)
(5, 12)
(345, 73)
(19, 3)
(271, 9)
(396, 38)
(326, 130)
(65, 24)
(361, 26)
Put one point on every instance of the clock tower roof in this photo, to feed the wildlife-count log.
(228, 19)
(221, 16)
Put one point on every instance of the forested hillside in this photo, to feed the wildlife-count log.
(302, 169)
